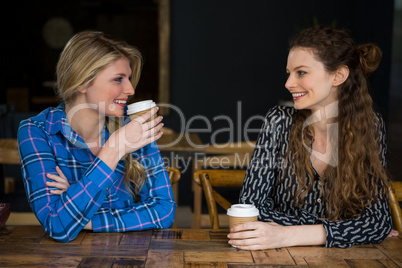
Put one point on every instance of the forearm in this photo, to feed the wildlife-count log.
(63, 216)
(141, 216)
(305, 235)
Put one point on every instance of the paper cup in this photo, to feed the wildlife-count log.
(137, 109)
(241, 213)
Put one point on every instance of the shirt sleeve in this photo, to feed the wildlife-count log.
(371, 227)
(62, 216)
(156, 208)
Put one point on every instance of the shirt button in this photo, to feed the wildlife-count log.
(319, 200)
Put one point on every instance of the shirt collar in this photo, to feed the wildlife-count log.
(58, 123)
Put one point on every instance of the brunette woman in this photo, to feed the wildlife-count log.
(318, 174)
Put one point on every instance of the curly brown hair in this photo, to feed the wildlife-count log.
(359, 178)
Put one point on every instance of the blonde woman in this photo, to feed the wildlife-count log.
(79, 169)
(318, 173)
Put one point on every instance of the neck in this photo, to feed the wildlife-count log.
(87, 122)
(321, 118)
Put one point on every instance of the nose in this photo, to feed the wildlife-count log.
(290, 82)
(129, 89)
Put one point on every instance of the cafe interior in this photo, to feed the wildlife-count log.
(214, 68)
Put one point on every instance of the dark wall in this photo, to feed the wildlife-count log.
(228, 57)
(27, 60)
(230, 51)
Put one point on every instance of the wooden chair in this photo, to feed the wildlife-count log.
(395, 196)
(208, 179)
(174, 174)
(8, 156)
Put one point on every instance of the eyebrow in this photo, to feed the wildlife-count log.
(121, 74)
(298, 67)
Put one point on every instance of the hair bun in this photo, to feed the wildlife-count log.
(370, 57)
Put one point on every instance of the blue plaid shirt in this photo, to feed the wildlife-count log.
(96, 192)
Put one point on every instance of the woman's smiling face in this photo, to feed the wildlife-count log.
(111, 88)
(309, 83)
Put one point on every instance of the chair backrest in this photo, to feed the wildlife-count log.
(395, 195)
(9, 151)
(174, 174)
(208, 179)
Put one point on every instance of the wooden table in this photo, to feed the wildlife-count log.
(30, 246)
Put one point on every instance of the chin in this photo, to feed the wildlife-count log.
(298, 107)
(115, 114)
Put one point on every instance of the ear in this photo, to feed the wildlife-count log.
(82, 89)
(340, 75)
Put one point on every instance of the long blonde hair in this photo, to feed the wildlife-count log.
(359, 177)
(84, 56)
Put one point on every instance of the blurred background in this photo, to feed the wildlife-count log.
(226, 58)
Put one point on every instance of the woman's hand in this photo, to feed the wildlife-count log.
(264, 235)
(393, 233)
(137, 133)
(133, 136)
(88, 226)
(257, 235)
(59, 182)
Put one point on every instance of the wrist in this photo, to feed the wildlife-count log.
(110, 156)
(305, 235)
(114, 146)
(291, 234)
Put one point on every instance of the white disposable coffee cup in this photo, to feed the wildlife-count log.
(137, 109)
(241, 213)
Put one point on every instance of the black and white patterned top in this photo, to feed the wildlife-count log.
(272, 193)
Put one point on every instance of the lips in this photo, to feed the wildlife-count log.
(298, 95)
(120, 102)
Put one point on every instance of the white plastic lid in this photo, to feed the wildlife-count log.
(140, 106)
(243, 210)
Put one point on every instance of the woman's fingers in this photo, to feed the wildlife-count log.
(56, 192)
(153, 130)
(61, 174)
(58, 185)
(143, 118)
(59, 181)
(153, 123)
(393, 233)
(136, 134)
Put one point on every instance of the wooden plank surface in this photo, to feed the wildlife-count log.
(30, 246)
(34, 261)
(279, 256)
(162, 259)
(392, 248)
(233, 256)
